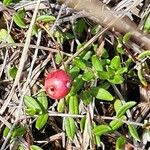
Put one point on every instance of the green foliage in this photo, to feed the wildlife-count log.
(12, 72)
(5, 36)
(147, 24)
(70, 128)
(116, 124)
(6, 131)
(37, 106)
(61, 105)
(95, 29)
(46, 18)
(86, 97)
(133, 132)
(122, 110)
(73, 105)
(120, 142)
(79, 27)
(41, 121)
(7, 2)
(101, 93)
(101, 129)
(19, 18)
(19, 131)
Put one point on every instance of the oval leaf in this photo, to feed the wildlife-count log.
(96, 63)
(6, 131)
(31, 103)
(88, 74)
(133, 132)
(42, 99)
(147, 24)
(13, 72)
(117, 105)
(41, 121)
(20, 131)
(73, 105)
(115, 124)
(77, 85)
(86, 97)
(19, 21)
(124, 108)
(115, 62)
(61, 105)
(70, 128)
(5, 36)
(120, 143)
(79, 63)
(46, 18)
(101, 93)
(101, 129)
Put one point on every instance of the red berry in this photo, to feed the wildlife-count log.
(57, 84)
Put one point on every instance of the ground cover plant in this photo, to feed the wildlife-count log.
(74, 74)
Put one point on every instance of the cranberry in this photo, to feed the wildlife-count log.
(57, 84)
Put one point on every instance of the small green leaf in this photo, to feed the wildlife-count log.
(79, 27)
(19, 18)
(121, 70)
(58, 58)
(101, 93)
(103, 75)
(13, 72)
(116, 124)
(127, 37)
(133, 132)
(117, 79)
(35, 147)
(96, 138)
(67, 36)
(5, 36)
(95, 29)
(31, 111)
(117, 105)
(82, 124)
(88, 74)
(6, 131)
(61, 106)
(19, 131)
(73, 105)
(97, 63)
(119, 47)
(120, 142)
(7, 2)
(147, 24)
(70, 128)
(101, 129)
(35, 30)
(77, 85)
(87, 55)
(74, 71)
(86, 97)
(42, 99)
(79, 63)
(124, 108)
(41, 121)
(46, 18)
(140, 75)
(31, 103)
(115, 62)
